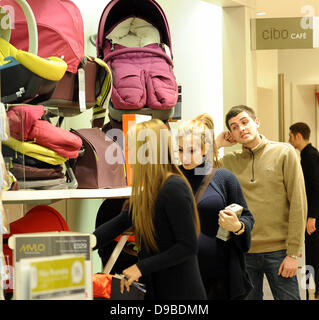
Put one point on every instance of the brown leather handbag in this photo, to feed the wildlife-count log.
(101, 164)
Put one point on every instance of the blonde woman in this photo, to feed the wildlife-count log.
(222, 264)
(163, 214)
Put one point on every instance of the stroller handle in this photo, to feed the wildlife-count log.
(32, 26)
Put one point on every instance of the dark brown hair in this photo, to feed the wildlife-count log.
(234, 111)
(302, 128)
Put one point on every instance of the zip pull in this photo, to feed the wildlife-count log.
(252, 167)
(112, 44)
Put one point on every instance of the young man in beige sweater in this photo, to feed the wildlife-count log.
(272, 181)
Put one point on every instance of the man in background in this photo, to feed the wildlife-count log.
(299, 135)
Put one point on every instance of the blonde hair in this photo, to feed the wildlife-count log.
(202, 126)
(149, 177)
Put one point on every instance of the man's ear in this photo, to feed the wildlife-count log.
(299, 136)
(257, 122)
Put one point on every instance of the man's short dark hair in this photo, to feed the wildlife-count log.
(234, 111)
(302, 128)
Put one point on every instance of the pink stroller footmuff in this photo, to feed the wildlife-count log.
(132, 38)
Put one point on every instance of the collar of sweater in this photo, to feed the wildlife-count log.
(305, 149)
(259, 147)
(193, 178)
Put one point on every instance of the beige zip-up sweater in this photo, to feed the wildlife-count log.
(273, 184)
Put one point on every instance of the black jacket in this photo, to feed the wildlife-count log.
(172, 273)
(310, 167)
(227, 186)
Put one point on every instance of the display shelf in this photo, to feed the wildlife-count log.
(100, 193)
(49, 196)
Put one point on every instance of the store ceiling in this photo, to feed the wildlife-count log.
(275, 8)
(287, 8)
(233, 3)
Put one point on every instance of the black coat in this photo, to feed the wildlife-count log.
(173, 272)
(310, 167)
(227, 186)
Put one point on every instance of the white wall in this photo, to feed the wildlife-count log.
(196, 30)
(239, 62)
(267, 95)
(91, 12)
(301, 69)
(299, 66)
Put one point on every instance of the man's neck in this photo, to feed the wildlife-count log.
(254, 143)
(302, 145)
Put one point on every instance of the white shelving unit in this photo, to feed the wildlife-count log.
(49, 196)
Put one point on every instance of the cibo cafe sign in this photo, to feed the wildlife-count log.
(285, 33)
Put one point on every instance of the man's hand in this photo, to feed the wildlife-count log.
(311, 225)
(288, 267)
(225, 139)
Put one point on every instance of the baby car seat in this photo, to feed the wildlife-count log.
(25, 75)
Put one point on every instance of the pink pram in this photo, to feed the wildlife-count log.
(60, 30)
(61, 34)
(132, 38)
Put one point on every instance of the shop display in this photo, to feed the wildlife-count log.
(89, 87)
(41, 218)
(132, 38)
(102, 163)
(26, 124)
(26, 75)
(86, 82)
(37, 150)
(51, 245)
(128, 121)
(52, 278)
